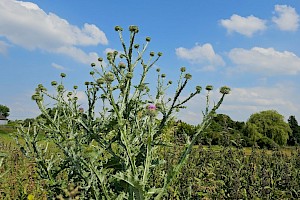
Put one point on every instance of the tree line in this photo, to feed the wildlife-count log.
(266, 129)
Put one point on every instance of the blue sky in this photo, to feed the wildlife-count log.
(251, 46)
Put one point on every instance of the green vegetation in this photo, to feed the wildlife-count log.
(4, 111)
(128, 152)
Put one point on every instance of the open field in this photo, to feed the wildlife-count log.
(214, 172)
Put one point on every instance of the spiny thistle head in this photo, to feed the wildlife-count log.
(60, 88)
(118, 28)
(188, 76)
(63, 75)
(225, 90)
(136, 46)
(152, 53)
(134, 29)
(36, 97)
(93, 64)
(159, 54)
(53, 83)
(198, 89)
(86, 83)
(209, 87)
(170, 82)
(163, 75)
(158, 69)
(109, 55)
(100, 81)
(109, 77)
(148, 39)
(41, 88)
(129, 75)
(92, 73)
(122, 65)
(75, 87)
(182, 69)
(100, 59)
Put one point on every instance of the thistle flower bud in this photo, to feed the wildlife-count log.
(209, 87)
(100, 59)
(129, 75)
(86, 83)
(163, 75)
(170, 82)
(35, 97)
(60, 88)
(148, 39)
(136, 46)
(75, 87)
(69, 94)
(93, 64)
(109, 77)
(109, 56)
(188, 76)
(122, 65)
(63, 75)
(159, 54)
(182, 69)
(92, 73)
(133, 29)
(118, 28)
(53, 83)
(75, 98)
(198, 89)
(152, 53)
(225, 90)
(115, 53)
(158, 69)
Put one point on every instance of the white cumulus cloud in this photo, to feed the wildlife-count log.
(26, 25)
(265, 60)
(243, 25)
(287, 18)
(204, 54)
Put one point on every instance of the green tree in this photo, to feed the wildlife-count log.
(4, 110)
(295, 137)
(270, 124)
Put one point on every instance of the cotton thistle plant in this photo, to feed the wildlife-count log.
(111, 155)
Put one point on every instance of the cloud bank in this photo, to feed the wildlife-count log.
(265, 60)
(26, 25)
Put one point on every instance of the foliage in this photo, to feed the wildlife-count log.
(295, 136)
(18, 179)
(228, 173)
(270, 124)
(4, 110)
(111, 155)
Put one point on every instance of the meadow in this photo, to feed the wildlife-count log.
(212, 172)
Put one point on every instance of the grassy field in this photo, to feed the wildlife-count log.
(19, 180)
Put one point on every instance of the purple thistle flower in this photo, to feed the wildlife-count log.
(151, 107)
